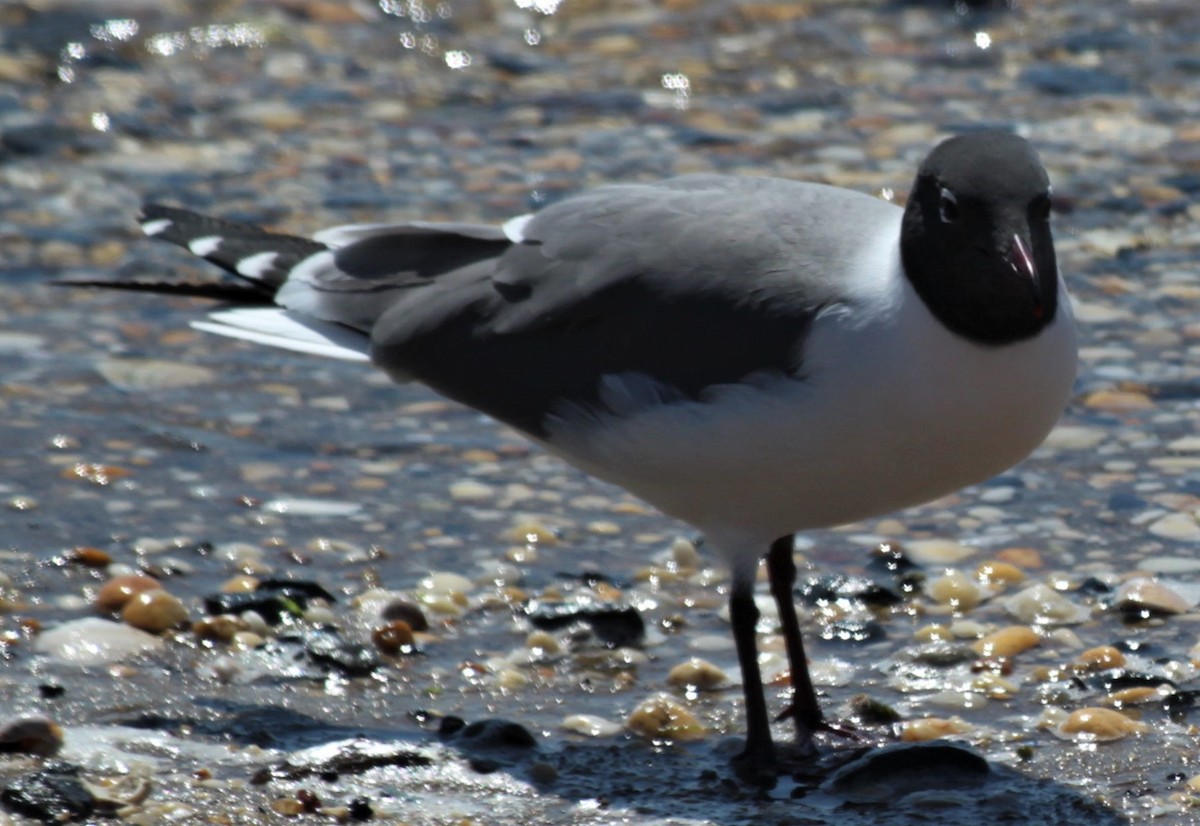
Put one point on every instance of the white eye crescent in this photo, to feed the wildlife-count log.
(947, 206)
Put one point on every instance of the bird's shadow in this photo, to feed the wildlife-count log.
(639, 781)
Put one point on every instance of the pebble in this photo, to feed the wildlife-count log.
(470, 490)
(1099, 724)
(38, 736)
(1041, 605)
(956, 590)
(155, 611)
(932, 728)
(590, 725)
(394, 638)
(1151, 595)
(697, 673)
(1100, 658)
(94, 641)
(998, 572)
(935, 552)
(1007, 642)
(116, 592)
(664, 718)
(1181, 527)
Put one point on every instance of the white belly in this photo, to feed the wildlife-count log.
(891, 410)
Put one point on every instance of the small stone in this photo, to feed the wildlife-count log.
(955, 590)
(446, 583)
(1100, 658)
(543, 644)
(662, 717)
(155, 611)
(220, 628)
(998, 572)
(1099, 724)
(94, 641)
(1021, 557)
(1073, 437)
(31, 735)
(89, 557)
(394, 638)
(116, 592)
(932, 728)
(1118, 400)
(937, 551)
(470, 490)
(590, 725)
(1041, 605)
(1143, 594)
(287, 806)
(1178, 526)
(697, 673)
(1007, 642)
(994, 686)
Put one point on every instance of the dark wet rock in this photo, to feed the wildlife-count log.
(403, 611)
(39, 139)
(1093, 587)
(887, 773)
(491, 733)
(1053, 79)
(52, 795)
(869, 711)
(360, 809)
(830, 588)
(327, 648)
(890, 558)
(271, 607)
(614, 626)
(298, 589)
(273, 599)
(851, 630)
(1120, 679)
(31, 735)
(1179, 704)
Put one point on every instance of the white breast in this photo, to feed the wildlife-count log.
(891, 410)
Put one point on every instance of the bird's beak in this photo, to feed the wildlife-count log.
(1020, 259)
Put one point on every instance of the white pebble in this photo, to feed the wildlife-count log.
(94, 641)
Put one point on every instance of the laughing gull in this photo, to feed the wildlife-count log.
(753, 356)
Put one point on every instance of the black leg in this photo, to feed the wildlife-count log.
(806, 711)
(756, 763)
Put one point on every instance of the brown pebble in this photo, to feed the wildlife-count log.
(240, 584)
(697, 673)
(117, 591)
(154, 611)
(663, 718)
(220, 628)
(91, 557)
(1100, 658)
(1021, 557)
(394, 638)
(542, 773)
(999, 572)
(931, 728)
(1007, 642)
(1101, 724)
(288, 807)
(1118, 400)
(95, 473)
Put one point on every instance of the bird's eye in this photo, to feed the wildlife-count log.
(1039, 208)
(947, 207)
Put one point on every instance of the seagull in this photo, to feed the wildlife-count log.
(753, 356)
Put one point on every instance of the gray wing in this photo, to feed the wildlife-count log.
(695, 282)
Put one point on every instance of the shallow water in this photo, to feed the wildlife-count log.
(124, 431)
